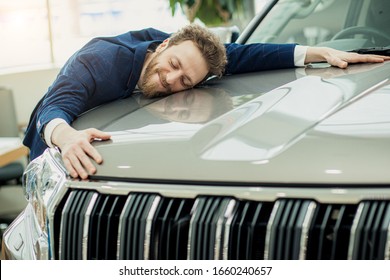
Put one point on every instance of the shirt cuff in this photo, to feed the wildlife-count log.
(49, 128)
(300, 55)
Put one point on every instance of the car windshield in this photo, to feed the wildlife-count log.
(341, 24)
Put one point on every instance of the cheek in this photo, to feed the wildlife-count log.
(177, 87)
(151, 77)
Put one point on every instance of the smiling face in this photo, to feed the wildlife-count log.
(172, 69)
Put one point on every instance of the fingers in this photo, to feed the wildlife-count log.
(78, 161)
(98, 134)
(93, 134)
(78, 153)
(361, 58)
(341, 59)
(75, 168)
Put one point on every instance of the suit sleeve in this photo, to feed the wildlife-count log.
(258, 57)
(93, 76)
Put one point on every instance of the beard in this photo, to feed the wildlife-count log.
(150, 88)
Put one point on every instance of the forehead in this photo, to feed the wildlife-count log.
(191, 59)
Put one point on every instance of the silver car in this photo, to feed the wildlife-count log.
(282, 164)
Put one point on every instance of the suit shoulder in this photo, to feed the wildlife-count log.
(149, 34)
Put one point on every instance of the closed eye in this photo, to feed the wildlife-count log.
(185, 82)
(174, 65)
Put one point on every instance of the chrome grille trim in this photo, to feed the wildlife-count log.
(220, 236)
(353, 230)
(148, 226)
(229, 218)
(305, 229)
(86, 225)
(194, 208)
(269, 229)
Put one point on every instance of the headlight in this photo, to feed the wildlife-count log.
(42, 182)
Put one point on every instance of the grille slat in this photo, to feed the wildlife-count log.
(72, 225)
(93, 240)
(336, 233)
(137, 238)
(81, 221)
(287, 229)
(169, 234)
(78, 228)
(207, 228)
(69, 227)
(112, 228)
(384, 240)
(101, 227)
(248, 228)
(205, 237)
(290, 231)
(129, 245)
(375, 231)
(372, 231)
(237, 236)
(89, 206)
(129, 206)
(64, 228)
(366, 230)
(129, 240)
(250, 233)
(180, 228)
(195, 226)
(330, 232)
(320, 238)
(90, 225)
(133, 225)
(73, 230)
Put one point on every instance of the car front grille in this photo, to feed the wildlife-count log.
(91, 225)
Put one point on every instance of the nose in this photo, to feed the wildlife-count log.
(172, 77)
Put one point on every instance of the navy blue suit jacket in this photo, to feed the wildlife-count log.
(108, 68)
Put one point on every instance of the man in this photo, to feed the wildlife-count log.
(111, 68)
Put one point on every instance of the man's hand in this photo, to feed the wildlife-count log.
(340, 59)
(76, 148)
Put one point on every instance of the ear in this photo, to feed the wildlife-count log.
(162, 46)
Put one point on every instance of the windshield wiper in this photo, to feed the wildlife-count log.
(374, 50)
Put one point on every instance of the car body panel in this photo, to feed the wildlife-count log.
(281, 164)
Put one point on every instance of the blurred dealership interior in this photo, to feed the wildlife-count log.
(37, 38)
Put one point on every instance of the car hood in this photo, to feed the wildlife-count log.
(300, 126)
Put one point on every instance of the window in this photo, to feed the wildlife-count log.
(24, 33)
(40, 32)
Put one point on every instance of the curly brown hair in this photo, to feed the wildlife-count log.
(208, 43)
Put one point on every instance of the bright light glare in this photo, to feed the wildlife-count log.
(333, 171)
